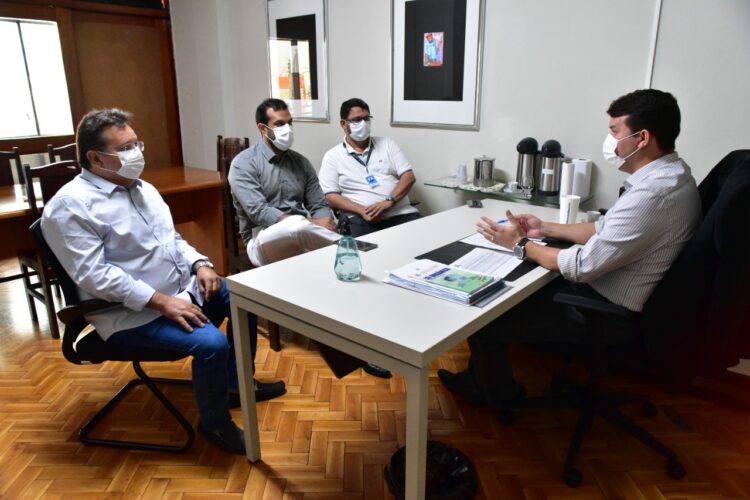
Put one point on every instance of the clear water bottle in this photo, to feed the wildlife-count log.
(348, 267)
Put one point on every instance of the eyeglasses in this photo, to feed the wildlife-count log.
(360, 119)
(129, 146)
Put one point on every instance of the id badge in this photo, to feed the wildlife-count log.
(372, 181)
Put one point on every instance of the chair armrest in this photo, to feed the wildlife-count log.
(585, 304)
(70, 313)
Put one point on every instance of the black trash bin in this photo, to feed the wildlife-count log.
(450, 474)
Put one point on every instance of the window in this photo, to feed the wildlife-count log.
(33, 90)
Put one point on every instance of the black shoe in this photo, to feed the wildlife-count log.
(229, 438)
(459, 383)
(376, 371)
(263, 392)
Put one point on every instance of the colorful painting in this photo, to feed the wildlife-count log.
(433, 49)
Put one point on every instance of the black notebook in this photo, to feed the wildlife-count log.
(454, 251)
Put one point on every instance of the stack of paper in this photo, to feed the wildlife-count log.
(446, 282)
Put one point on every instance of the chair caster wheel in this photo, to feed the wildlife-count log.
(649, 409)
(572, 477)
(676, 470)
(506, 417)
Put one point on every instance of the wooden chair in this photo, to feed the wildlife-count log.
(226, 149)
(51, 178)
(64, 153)
(10, 161)
(6, 167)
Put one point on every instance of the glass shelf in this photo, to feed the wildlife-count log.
(449, 182)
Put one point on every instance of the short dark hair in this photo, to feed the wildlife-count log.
(89, 135)
(261, 115)
(652, 110)
(354, 102)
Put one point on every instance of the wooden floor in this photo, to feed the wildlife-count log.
(329, 438)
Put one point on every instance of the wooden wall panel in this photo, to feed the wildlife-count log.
(121, 65)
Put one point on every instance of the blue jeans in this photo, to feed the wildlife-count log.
(214, 362)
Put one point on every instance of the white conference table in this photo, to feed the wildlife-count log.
(398, 329)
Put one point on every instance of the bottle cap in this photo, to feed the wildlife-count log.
(344, 228)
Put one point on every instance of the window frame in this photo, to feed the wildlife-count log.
(61, 12)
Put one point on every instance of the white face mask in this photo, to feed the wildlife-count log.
(359, 131)
(284, 137)
(131, 163)
(609, 146)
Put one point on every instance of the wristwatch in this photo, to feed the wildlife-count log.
(519, 251)
(202, 263)
(391, 199)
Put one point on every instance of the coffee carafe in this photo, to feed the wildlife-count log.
(528, 150)
(548, 178)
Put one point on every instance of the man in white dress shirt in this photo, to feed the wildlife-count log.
(623, 256)
(115, 238)
(367, 178)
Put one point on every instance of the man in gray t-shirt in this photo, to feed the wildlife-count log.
(279, 202)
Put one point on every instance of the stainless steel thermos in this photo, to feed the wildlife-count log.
(549, 169)
(527, 160)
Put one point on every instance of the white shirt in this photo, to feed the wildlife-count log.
(343, 174)
(120, 245)
(640, 236)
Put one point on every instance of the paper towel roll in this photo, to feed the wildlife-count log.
(581, 177)
(566, 178)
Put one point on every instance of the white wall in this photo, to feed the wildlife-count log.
(703, 56)
(550, 70)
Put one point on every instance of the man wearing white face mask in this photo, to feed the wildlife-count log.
(114, 235)
(622, 256)
(281, 208)
(367, 178)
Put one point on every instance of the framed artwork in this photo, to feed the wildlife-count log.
(436, 63)
(298, 56)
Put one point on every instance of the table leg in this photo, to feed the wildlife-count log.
(416, 432)
(240, 326)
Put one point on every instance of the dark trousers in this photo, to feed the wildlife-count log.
(361, 227)
(535, 320)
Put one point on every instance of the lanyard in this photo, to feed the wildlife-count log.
(357, 157)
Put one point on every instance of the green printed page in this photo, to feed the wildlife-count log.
(456, 279)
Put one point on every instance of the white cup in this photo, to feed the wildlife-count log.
(569, 208)
(592, 215)
(461, 175)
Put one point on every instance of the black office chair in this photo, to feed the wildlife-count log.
(90, 348)
(694, 322)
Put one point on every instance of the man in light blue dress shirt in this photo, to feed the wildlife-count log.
(114, 235)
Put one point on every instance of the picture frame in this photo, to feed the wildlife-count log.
(297, 48)
(436, 63)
